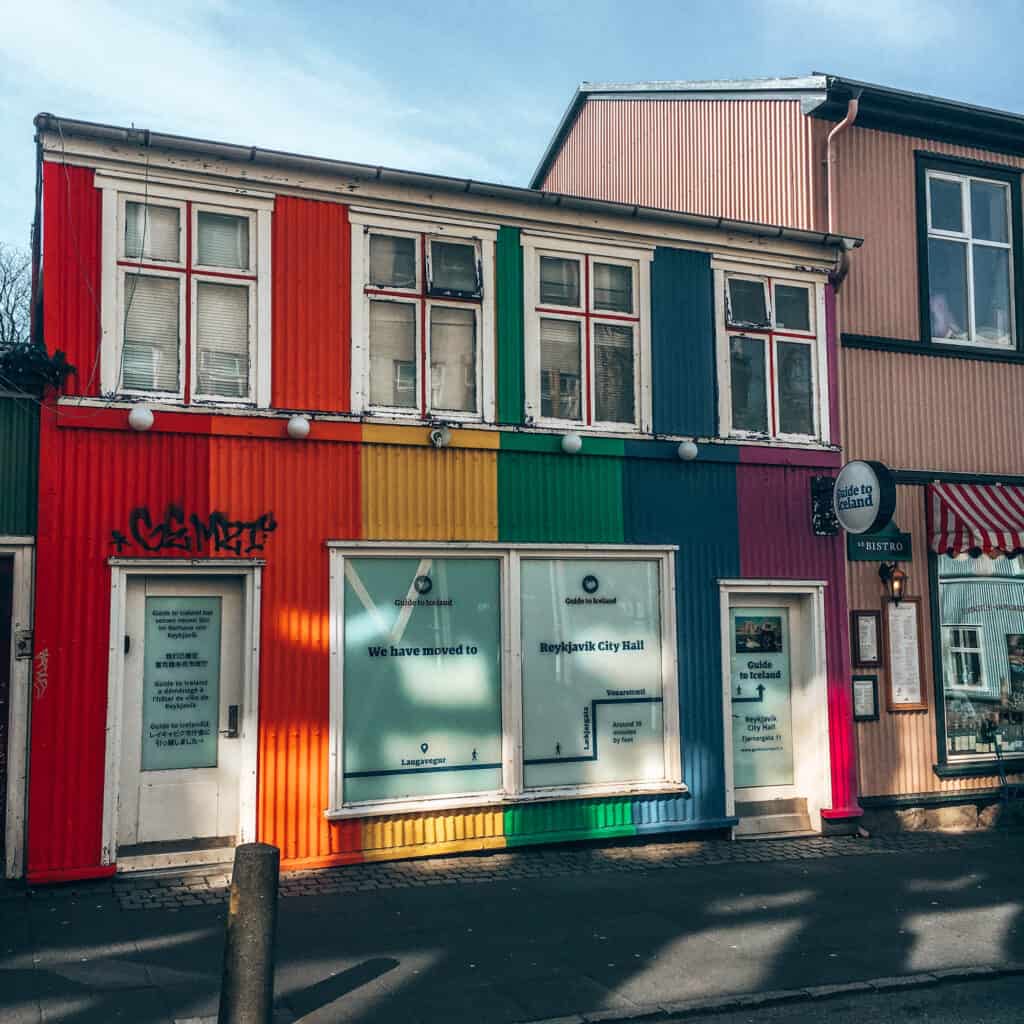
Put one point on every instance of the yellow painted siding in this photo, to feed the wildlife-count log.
(417, 493)
(461, 437)
(426, 835)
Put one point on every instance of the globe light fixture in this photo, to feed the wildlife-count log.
(687, 451)
(298, 427)
(140, 417)
(571, 443)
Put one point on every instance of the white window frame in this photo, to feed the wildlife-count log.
(966, 236)
(251, 287)
(816, 338)
(364, 224)
(116, 192)
(534, 247)
(948, 661)
(512, 790)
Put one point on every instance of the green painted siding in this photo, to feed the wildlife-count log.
(19, 465)
(548, 498)
(572, 819)
(511, 386)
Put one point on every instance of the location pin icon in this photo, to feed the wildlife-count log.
(424, 747)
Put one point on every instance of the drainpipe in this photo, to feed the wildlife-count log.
(843, 263)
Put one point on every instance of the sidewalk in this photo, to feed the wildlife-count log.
(530, 935)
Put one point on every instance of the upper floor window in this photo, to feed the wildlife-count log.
(970, 260)
(186, 299)
(586, 336)
(422, 317)
(772, 368)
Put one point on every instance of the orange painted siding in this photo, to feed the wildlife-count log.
(931, 413)
(311, 305)
(880, 295)
(898, 751)
(745, 159)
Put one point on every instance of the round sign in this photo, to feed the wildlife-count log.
(864, 497)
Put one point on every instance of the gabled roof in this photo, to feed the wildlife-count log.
(249, 155)
(820, 95)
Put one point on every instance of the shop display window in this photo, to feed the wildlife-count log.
(981, 603)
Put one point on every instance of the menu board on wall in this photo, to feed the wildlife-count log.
(903, 631)
(592, 671)
(422, 677)
(181, 683)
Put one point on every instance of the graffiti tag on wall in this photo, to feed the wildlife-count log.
(176, 532)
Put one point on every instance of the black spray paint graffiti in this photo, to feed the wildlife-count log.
(176, 533)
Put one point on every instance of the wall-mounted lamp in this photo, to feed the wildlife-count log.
(687, 451)
(571, 443)
(895, 580)
(298, 427)
(140, 418)
(441, 437)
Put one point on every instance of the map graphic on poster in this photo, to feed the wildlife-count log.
(592, 671)
(422, 677)
(181, 683)
(762, 729)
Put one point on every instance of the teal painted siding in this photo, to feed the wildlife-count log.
(511, 380)
(684, 395)
(19, 465)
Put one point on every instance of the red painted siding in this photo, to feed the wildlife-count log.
(72, 214)
(311, 305)
(776, 542)
(89, 480)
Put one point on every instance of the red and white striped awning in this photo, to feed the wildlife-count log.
(976, 519)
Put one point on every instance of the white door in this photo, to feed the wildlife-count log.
(181, 750)
(779, 714)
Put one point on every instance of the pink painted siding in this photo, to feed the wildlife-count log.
(745, 159)
(880, 296)
(776, 542)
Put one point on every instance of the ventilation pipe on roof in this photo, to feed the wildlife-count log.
(843, 263)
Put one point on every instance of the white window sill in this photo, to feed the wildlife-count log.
(486, 800)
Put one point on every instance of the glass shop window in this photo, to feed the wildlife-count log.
(981, 602)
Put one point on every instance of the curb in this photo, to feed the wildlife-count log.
(664, 1013)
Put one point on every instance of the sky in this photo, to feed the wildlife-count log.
(460, 88)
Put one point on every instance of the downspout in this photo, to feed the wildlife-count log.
(843, 262)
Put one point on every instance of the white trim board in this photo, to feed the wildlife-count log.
(251, 575)
(19, 704)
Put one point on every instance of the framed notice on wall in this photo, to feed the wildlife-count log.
(866, 638)
(903, 644)
(865, 698)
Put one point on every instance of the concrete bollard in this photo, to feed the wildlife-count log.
(247, 988)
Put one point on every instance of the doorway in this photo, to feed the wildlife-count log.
(181, 747)
(776, 709)
(6, 665)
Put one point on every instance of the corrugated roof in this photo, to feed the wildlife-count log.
(821, 95)
(143, 137)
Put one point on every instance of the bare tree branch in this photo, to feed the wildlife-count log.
(15, 295)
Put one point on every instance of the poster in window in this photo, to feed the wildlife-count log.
(760, 690)
(422, 677)
(181, 683)
(906, 677)
(592, 671)
(1015, 651)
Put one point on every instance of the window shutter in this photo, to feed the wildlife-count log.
(613, 374)
(222, 340)
(223, 241)
(152, 232)
(149, 357)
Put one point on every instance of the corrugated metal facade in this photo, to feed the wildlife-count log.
(311, 306)
(19, 464)
(880, 296)
(352, 480)
(933, 414)
(746, 159)
(683, 343)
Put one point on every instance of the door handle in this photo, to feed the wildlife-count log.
(231, 732)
